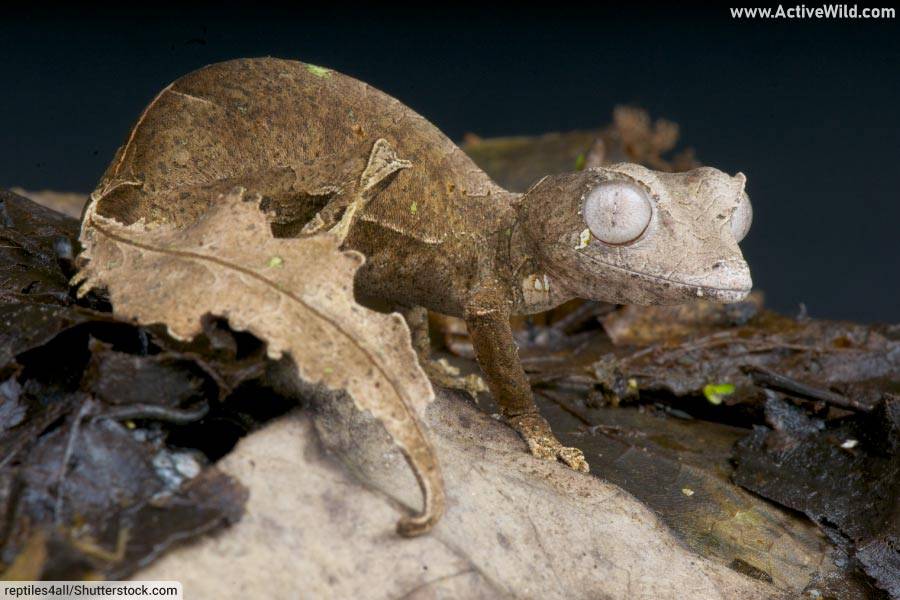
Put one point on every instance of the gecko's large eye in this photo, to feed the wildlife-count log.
(617, 212)
(742, 218)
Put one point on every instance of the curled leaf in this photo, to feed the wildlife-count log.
(295, 294)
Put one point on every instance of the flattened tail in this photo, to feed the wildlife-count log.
(423, 462)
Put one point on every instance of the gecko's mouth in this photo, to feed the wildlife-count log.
(736, 275)
(726, 295)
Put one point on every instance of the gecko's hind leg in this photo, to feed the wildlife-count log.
(439, 371)
(326, 218)
(383, 161)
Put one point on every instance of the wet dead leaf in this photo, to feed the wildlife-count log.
(67, 203)
(295, 294)
(117, 378)
(36, 250)
(852, 493)
(97, 495)
(681, 350)
(36, 247)
(681, 470)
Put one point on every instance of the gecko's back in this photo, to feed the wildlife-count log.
(239, 120)
(281, 128)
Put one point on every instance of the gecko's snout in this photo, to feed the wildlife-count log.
(726, 281)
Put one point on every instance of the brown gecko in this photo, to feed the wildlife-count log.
(328, 152)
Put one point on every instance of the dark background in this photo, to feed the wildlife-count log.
(808, 109)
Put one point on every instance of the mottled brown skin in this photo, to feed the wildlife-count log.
(436, 231)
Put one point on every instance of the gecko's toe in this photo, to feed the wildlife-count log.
(574, 458)
(539, 448)
(542, 444)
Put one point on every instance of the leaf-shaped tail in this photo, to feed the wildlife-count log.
(422, 459)
(295, 294)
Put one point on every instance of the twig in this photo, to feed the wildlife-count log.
(770, 379)
(67, 455)
(179, 416)
(751, 347)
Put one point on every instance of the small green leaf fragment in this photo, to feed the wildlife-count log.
(580, 161)
(715, 392)
(276, 262)
(414, 208)
(328, 370)
(319, 71)
(687, 492)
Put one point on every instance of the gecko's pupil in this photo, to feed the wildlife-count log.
(617, 212)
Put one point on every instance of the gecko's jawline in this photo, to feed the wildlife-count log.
(721, 294)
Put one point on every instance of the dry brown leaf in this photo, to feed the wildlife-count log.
(295, 294)
(645, 141)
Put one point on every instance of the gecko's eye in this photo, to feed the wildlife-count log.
(742, 218)
(617, 212)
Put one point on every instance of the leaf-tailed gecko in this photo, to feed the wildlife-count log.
(328, 152)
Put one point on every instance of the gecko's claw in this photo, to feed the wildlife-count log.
(542, 444)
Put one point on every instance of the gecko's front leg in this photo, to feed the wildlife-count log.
(487, 317)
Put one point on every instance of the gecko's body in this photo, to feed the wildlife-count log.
(326, 151)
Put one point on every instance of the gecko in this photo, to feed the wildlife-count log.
(329, 153)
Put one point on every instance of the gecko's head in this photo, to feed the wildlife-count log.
(629, 235)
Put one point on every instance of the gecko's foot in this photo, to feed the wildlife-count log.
(446, 375)
(536, 432)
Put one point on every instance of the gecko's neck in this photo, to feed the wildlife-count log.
(532, 287)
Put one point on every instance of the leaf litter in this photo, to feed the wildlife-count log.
(811, 390)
